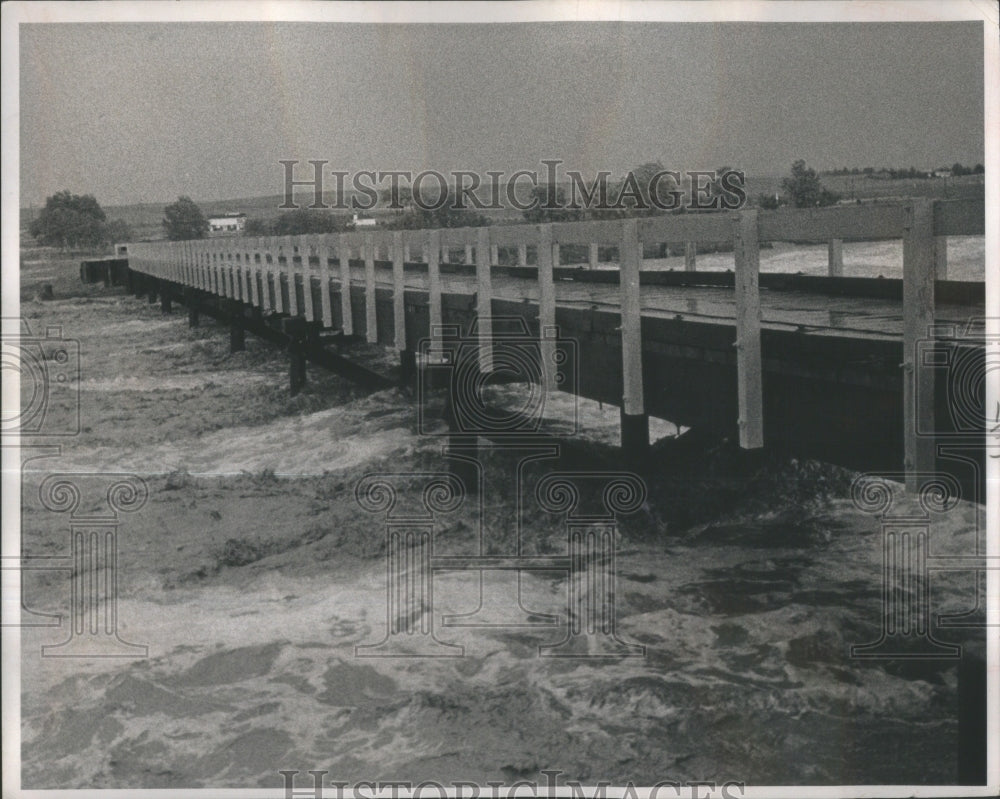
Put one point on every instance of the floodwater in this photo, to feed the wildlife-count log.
(251, 575)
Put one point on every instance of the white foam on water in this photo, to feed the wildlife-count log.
(176, 383)
(298, 446)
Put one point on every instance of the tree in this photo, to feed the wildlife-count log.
(184, 220)
(400, 200)
(117, 230)
(548, 208)
(69, 220)
(805, 190)
(256, 226)
(768, 201)
(643, 175)
(449, 214)
(305, 220)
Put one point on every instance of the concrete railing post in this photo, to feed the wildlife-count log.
(546, 307)
(918, 318)
(835, 258)
(748, 355)
(484, 299)
(634, 419)
(941, 257)
(371, 309)
(690, 250)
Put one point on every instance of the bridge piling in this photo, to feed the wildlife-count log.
(295, 329)
(237, 334)
(407, 368)
(191, 301)
(972, 729)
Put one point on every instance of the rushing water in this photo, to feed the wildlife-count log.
(252, 575)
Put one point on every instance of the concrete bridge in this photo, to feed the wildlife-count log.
(874, 374)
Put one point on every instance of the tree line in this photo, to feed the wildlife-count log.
(76, 222)
(910, 172)
(72, 221)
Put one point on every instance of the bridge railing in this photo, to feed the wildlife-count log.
(265, 273)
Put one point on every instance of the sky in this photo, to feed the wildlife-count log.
(136, 112)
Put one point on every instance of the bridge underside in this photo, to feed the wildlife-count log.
(830, 395)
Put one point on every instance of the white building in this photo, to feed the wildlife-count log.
(364, 221)
(232, 222)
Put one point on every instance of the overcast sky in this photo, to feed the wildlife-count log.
(147, 112)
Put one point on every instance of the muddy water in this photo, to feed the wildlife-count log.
(252, 575)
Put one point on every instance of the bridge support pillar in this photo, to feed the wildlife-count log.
(463, 447)
(190, 300)
(296, 367)
(166, 300)
(972, 732)
(635, 439)
(463, 461)
(295, 329)
(407, 368)
(237, 334)
(151, 289)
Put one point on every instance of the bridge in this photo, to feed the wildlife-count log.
(875, 374)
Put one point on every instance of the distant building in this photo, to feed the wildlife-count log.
(364, 221)
(942, 173)
(232, 222)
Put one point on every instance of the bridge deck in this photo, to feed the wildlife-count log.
(810, 312)
(833, 367)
